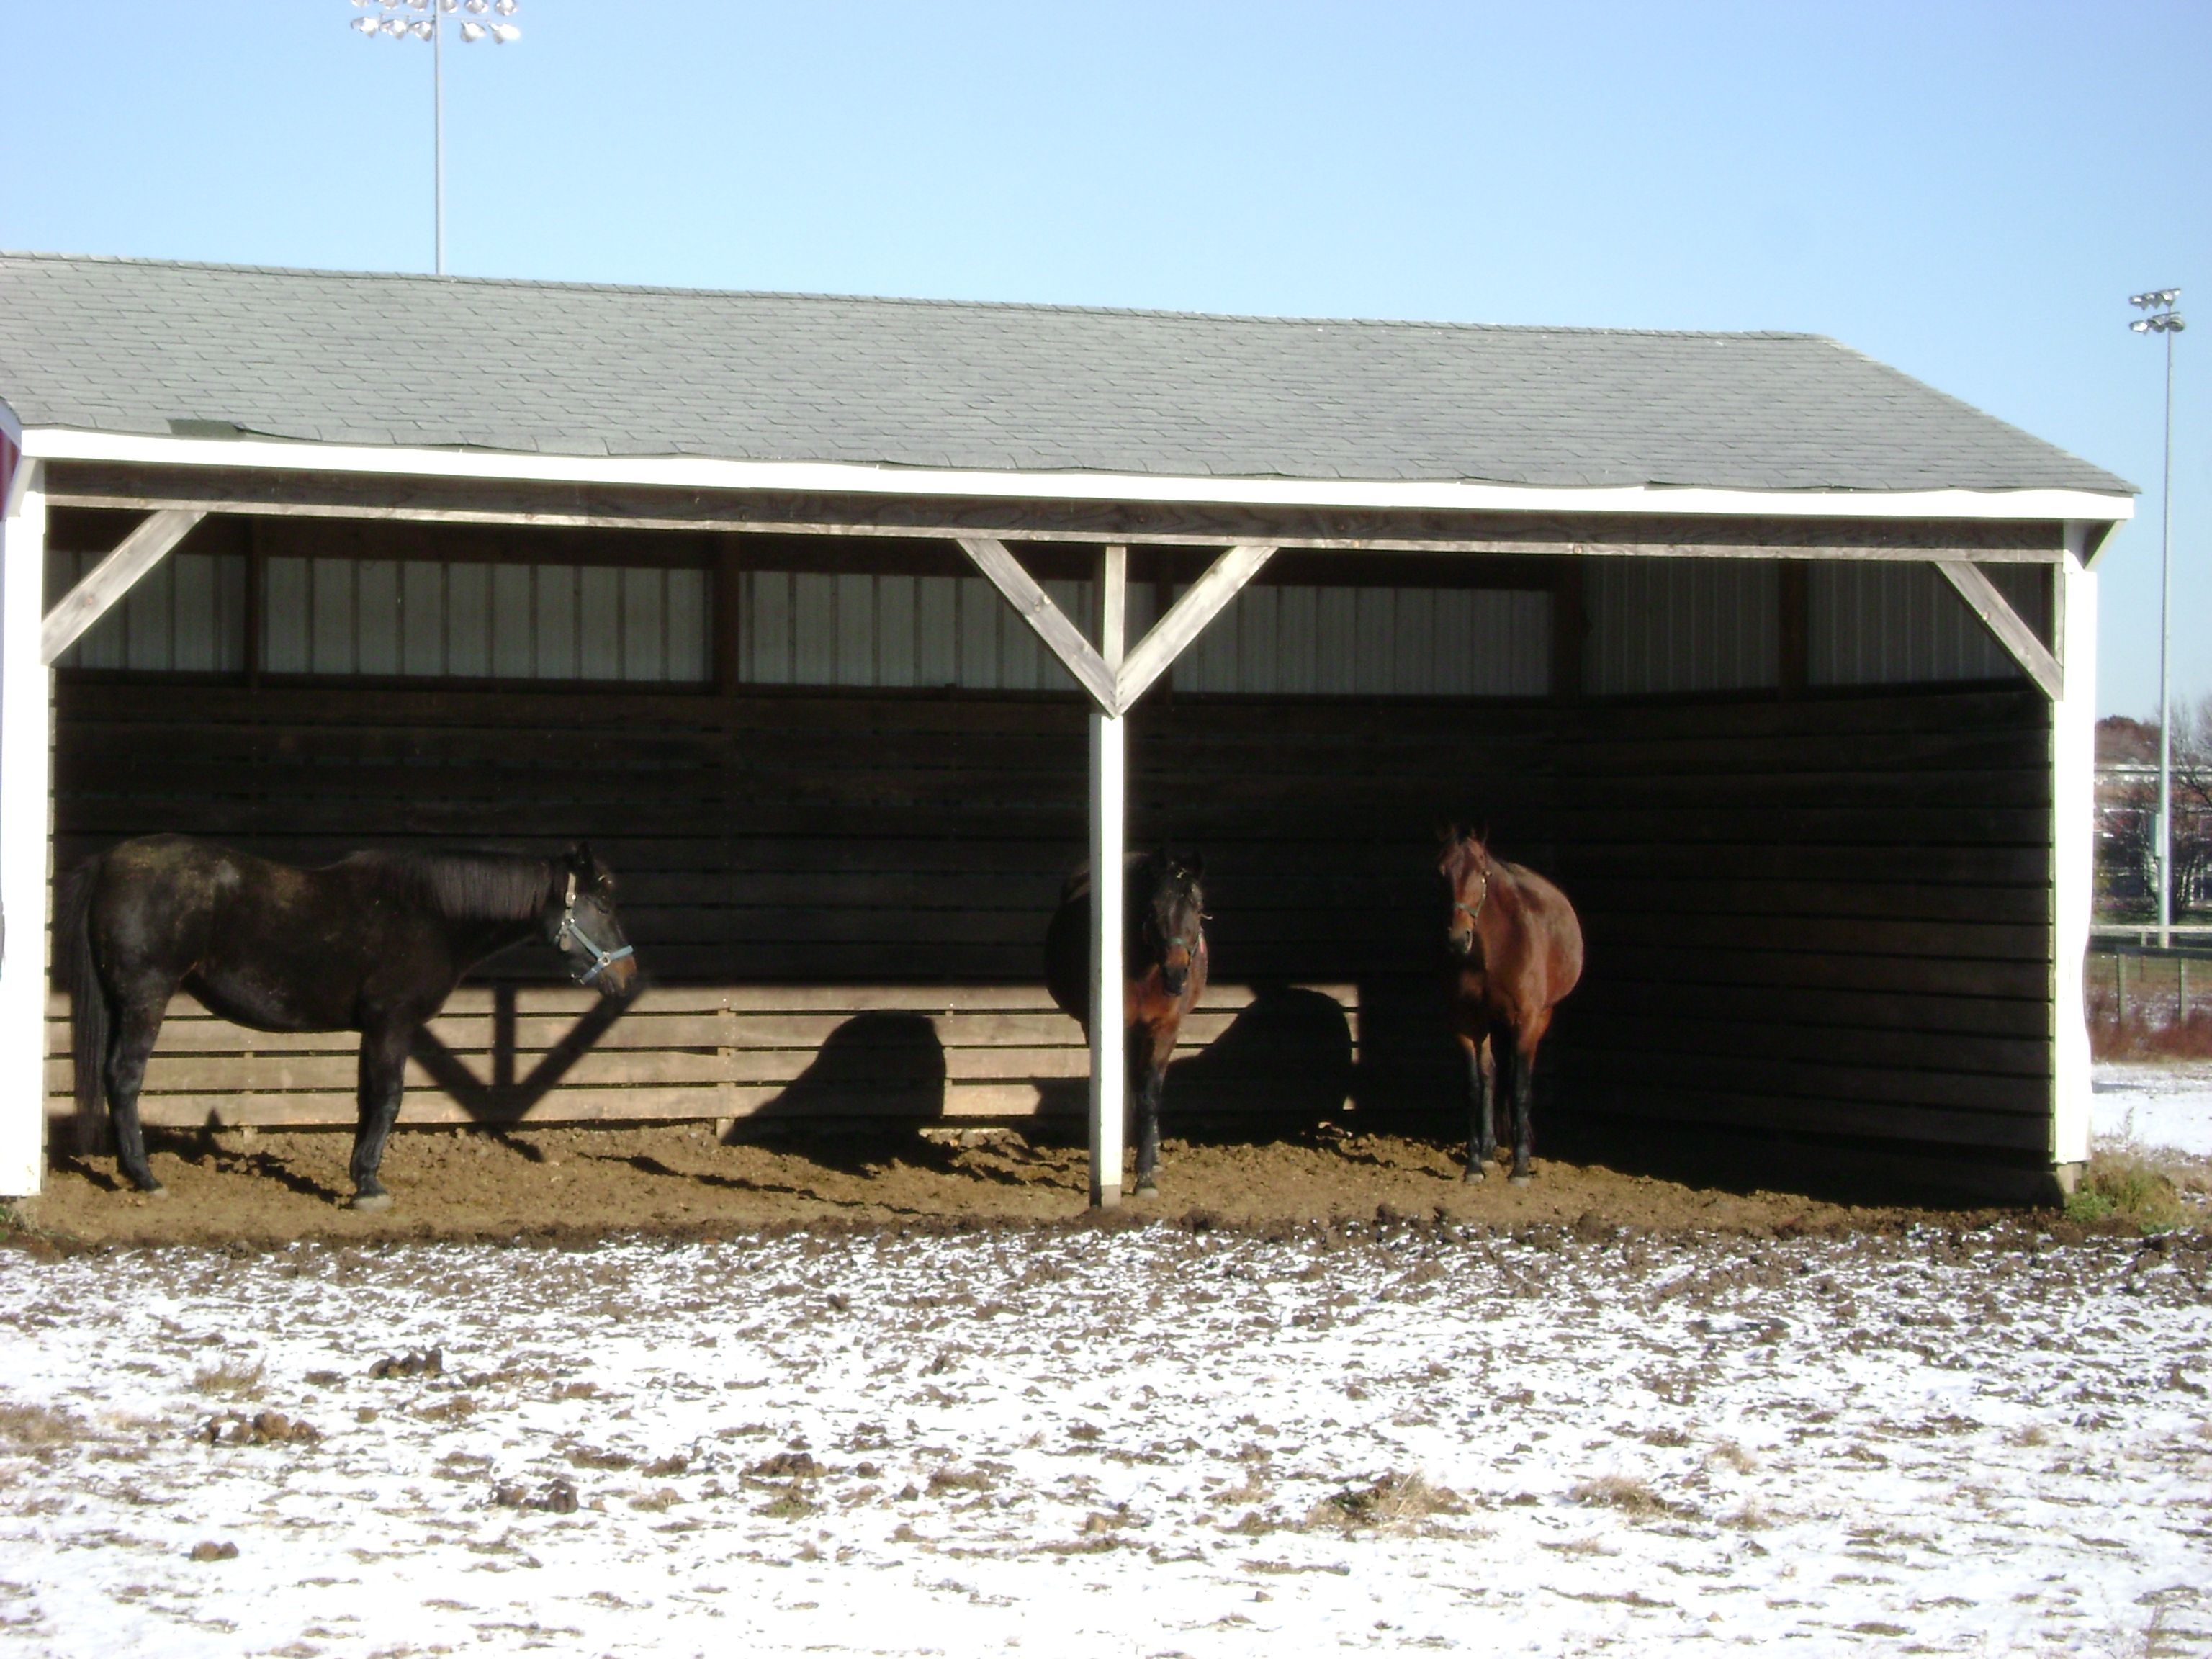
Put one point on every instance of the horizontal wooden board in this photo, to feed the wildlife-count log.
(1837, 907)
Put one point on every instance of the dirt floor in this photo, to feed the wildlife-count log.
(238, 1187)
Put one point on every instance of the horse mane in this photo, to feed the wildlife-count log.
(465, 886)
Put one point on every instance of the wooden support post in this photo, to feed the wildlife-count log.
(2073, 840)
(256, 600)
(25, 830)
(105, 586)
(1202, 601)
(1795, 642)
(1109, 798)
(723, 612)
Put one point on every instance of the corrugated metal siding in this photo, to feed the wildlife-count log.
(1286, 639)
(1883, 623)
(472, 621)
(804, 627)
(1681, 625)
(186, 615)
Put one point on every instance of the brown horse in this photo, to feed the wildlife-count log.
(1518, 952)
(1164, 970)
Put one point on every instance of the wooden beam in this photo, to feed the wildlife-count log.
(113, 577)
(1034, 605)
(1200, 603)
(1997, 614)
(1168, 524)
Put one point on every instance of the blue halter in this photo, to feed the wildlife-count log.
(601, 960)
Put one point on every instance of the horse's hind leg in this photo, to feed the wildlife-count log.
(138, 1026)
(1482, 1131)
(1521, 1085)
(383, 1077)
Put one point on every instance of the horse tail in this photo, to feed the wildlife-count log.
(88, 1011)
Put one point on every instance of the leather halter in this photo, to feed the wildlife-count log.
(1481, 900)
(601, 960)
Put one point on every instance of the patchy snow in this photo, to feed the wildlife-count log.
(1139, 1443)
(2154, 1105)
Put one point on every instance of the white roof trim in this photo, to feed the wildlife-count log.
(830, 477)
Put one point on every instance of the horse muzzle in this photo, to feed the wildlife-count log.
(618, 979)
(1461, 941)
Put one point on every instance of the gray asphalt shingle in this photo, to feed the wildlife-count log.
(152, 347)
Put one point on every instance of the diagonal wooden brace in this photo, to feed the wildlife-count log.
(1034, 605)
(112, 578)
(1997, 614)
(1173, 634)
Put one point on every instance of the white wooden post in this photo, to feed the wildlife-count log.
(1109, 798)
(26, 753)
(2073, 848)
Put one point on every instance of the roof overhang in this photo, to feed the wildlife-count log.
(693, 474)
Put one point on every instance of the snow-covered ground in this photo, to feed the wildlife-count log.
(2154, 1105)
(1137, 1443)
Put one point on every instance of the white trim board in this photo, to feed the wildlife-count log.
(828, 477)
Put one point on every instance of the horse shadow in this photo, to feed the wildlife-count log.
(875, 1080)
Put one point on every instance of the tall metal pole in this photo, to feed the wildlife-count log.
(2165, 676)
(438, 122)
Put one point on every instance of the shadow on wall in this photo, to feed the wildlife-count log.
(1285, 1059)
(882, 1064)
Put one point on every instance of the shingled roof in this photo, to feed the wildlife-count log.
(141, 346)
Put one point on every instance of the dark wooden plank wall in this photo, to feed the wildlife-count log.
(1827, 916)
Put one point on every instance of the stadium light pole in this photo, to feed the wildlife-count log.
(2160, 318)
(425, 20)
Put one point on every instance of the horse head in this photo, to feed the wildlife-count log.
(1466, 866)
(1174, 915)
(587, 931)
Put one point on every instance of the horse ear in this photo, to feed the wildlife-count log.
(579, 858)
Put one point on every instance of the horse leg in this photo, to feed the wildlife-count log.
(1522, 1077)
(383, 1076)
(1481, 1133)
(137, 1027)
(1151, 1057)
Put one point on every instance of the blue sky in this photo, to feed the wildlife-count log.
(1969, 192)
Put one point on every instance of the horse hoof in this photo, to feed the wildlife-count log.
(156, 1190)
(1145, 1190)
(370, 1203)
(1475, 1176)
(1521, 1180)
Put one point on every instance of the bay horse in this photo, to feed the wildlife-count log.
(1517, 950)
(374, 944)
(1163, 971)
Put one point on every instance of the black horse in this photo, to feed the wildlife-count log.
(1163, 969)
(374, 944)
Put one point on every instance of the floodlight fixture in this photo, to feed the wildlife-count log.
(429, 25)
(2164, 319)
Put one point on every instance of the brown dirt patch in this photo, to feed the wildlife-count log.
(272, 1187)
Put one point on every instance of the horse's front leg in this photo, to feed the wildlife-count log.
(1481, 1130)
(1521, 1086)
(138, 1026)
(1149, 1057)
(383, 1077)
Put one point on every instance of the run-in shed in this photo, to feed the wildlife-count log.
(799, 606)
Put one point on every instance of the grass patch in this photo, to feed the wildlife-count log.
(1622, 1492)
(2123, 1183)
(31, 1427)
(1396, 1500)
(234, 1379)
(1728, 1452)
